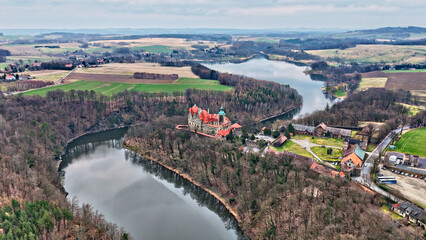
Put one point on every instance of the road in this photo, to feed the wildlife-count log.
(369, 163)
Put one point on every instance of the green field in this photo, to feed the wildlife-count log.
(321, 141)
(110, 88)
(413, 142)
(322, 153)
(404, 71)
(154, 49)
(290, 146)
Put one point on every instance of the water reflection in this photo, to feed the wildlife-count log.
(284, 73)
(150, 201)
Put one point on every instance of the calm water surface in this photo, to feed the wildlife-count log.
(284, 73)
(147, 200)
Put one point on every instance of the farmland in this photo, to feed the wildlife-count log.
(413, 142)
(376, 53)
(367, 83)
(110, 88)
(47, 75)
(399, 80)
(153, 43)
(130, 68)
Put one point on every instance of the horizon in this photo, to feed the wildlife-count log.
(222, 14)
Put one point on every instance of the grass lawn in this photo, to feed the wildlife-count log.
(413, 142)
(321, 141)
(322, 153)
(393, 214)
(367, 83)
(290, 146)
(339, 93)
(371, 147)
(399, 71)
(110, 88)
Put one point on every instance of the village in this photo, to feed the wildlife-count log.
(334, 151)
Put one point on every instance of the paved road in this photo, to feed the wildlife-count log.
(369, 163)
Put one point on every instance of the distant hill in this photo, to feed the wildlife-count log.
(391, 33)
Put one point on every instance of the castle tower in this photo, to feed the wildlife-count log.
(221, 115)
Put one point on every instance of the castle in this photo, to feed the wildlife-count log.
(212, 125)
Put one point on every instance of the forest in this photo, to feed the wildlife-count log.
(35, 131)
(276, 197)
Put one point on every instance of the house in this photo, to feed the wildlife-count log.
(36, 64)
(68, 65)
(280, 141)
(415, 161)
(10, 77)
(351, 141)
(322, 130)
(316, 167)
(303, 129)
(352, 161)
(407, 159)
(410, 211)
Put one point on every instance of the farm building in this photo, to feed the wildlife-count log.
(280, 141)
(303, 129)
(322, 130)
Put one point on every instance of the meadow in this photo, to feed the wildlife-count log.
(376, 53)
(110, 88)
(413, 142)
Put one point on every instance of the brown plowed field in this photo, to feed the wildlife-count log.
(113, 78)
(402, 80)
(406, 81)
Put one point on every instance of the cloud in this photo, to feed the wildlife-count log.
(211, 13)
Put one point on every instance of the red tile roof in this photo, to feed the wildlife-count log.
(355, 159)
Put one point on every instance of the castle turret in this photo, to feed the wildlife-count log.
(221, 115)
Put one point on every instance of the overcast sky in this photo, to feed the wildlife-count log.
(247, 14)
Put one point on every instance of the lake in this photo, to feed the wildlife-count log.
(148, 200)
(283, 73)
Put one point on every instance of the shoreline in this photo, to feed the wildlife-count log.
(185, 176)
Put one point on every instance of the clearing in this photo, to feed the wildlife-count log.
(413, 109)
(292, 147)
(130, 68)
(413, 142)
(110, 88)
(376, 53)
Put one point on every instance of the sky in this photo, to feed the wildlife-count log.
(241, 14)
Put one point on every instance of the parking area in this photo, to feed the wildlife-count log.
(414, 189)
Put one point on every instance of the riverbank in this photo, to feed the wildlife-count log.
(127, 144)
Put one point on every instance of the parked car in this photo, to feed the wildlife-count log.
(383, 168)
(406, 174)
(412, 175)
(416, 176)
(421, 177)
(392, 170)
